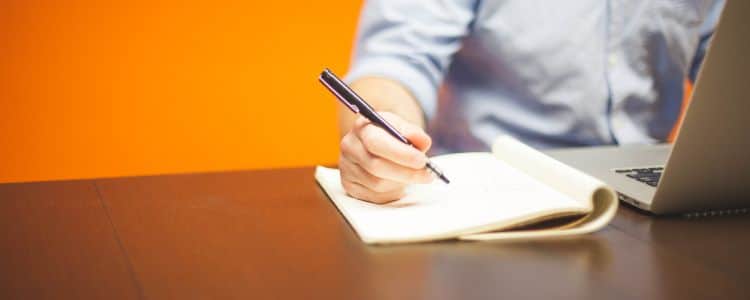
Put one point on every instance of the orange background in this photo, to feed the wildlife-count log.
(111, 88)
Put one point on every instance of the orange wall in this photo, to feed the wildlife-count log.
(111, 88)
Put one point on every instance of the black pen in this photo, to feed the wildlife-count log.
(358, 105)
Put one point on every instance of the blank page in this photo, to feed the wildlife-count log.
(484, 194)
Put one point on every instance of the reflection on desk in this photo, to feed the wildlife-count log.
(273, 234)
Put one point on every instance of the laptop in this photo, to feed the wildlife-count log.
(707, 169)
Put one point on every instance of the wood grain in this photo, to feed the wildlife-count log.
(274, 234)
(56, 242)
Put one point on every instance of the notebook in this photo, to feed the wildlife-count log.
(492, 196)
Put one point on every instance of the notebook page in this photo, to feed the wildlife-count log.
(577, 185)
(485, 193)
(551, 172)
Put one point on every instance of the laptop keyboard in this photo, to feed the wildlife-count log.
(648, 176)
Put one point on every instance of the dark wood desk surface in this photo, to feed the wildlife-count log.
(273, 234)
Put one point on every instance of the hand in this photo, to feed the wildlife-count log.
(375, 166)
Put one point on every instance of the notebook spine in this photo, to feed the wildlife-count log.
(716, 213)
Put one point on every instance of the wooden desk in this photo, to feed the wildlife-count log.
(57, 242)
(273, 234)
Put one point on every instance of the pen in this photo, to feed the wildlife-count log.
(358, 105)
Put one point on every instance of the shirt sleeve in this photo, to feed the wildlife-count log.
(411, 42)
(706, 32)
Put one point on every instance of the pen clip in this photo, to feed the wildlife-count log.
(352, 107)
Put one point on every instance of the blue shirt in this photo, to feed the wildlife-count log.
(551, 73)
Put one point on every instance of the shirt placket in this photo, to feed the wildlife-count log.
(621, 129)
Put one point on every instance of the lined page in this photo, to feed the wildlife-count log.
(484, 194)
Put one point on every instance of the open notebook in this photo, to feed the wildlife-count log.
(490, 196)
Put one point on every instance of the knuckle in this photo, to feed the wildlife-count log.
(381, 198)
(360, 122)
(346, 145)
(348, 187)
(367, 133)
(354, 191)
(346, 177)
(398, 194)
(379, 185)
(375, 165)
(351, 149)
(372, 145)
(360, 195)
(393, 195)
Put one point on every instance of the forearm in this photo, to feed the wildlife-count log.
(384, 95)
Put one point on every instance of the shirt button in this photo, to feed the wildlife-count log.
(612, 60)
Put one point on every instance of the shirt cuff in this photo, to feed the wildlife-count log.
(417, 82)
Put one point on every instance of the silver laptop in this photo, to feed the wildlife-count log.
(707, 169)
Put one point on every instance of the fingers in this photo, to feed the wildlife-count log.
(413, 133)
(361, 192)
(377, 167)
(363, 177)
(380, 143)
(361, 185)
(383, 165)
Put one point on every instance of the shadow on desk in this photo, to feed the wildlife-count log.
(513, 269)
(274, 234)
(721, 241)
(606, 265)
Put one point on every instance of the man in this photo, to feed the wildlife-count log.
(551, 73)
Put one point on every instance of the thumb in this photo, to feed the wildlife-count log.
(415, 134)
(418, 138)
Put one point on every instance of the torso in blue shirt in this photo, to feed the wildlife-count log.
(552, 73)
